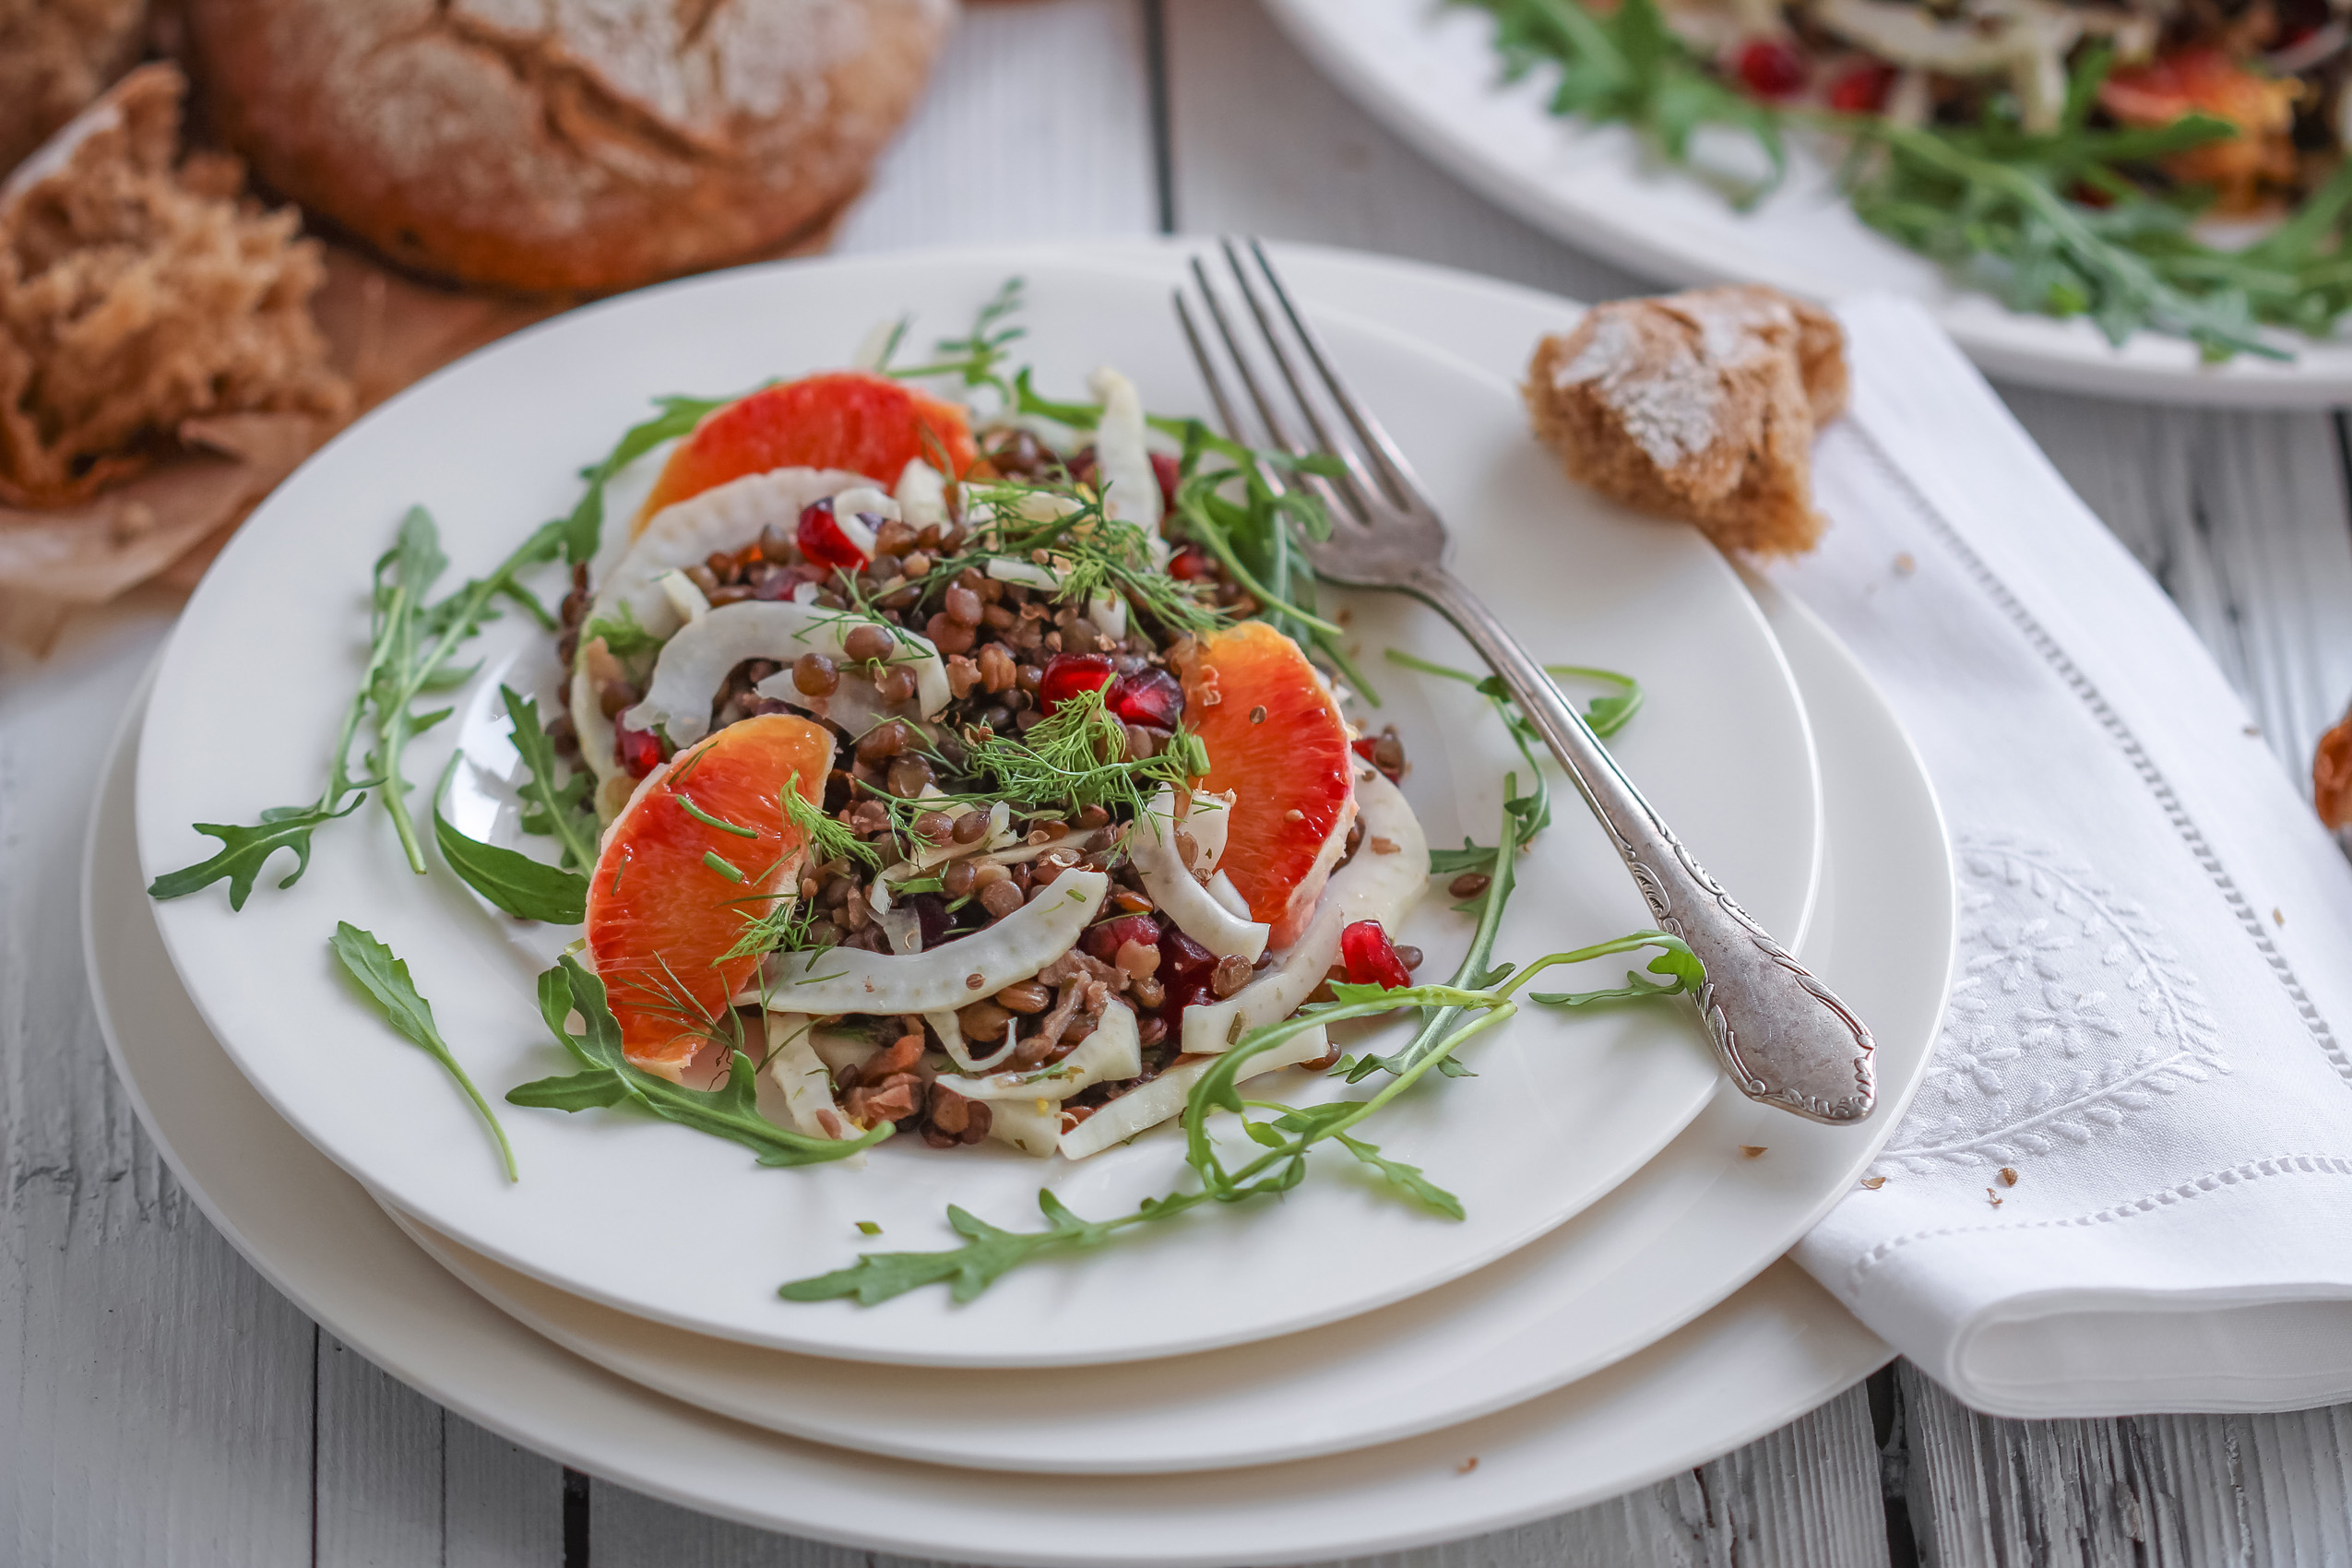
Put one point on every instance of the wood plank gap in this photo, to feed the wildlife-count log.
(317, 1347)
(1163, 141)
(576, 1518)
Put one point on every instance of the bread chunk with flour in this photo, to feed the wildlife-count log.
(138, 292)
(551, 146)
(1699, 406)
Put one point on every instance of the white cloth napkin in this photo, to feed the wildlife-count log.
(2151, 1019)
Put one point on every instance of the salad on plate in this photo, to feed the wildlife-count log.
(936, 758)
(2148, 164)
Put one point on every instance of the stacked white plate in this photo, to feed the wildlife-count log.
(1280, 1380)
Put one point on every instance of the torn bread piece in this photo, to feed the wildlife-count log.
(138, 292)
(1699, 405)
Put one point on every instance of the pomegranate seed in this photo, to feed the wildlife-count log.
(1180, 955)
(1371, 958)
(824, 541)
(1163, 468)
(639, 750)
(1187, 969)
(1364, 748)
(1148, 696)
(1771, 67)
(1861, 89)
(1067, 675)
(1191, 565)
(1104, 941)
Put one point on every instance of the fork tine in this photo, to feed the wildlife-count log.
(1209, 375)
(1357, 484)
(1397, 472)
(1276, 428)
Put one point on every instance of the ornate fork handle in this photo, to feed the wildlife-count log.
(1783, 1037)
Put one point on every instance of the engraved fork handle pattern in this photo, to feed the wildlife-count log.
(1780, 1034)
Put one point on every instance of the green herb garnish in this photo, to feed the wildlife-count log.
(411, 641)
(560, 811)
(1603, 716)
(2053, 222)
(606, 1078)
(989, 1253)
(525, 888)
(385, 980)
(975, 357)
(1077, 758)
(623, 637)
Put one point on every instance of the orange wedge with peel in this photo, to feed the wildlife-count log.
(1274, 737)
(866, 424)
(701, 853)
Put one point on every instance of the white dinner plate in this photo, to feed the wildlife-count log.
(666, 1224)
(1430, 72)
(1695, 1223)
(1776, 1348)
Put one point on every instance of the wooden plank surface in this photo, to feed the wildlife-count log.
(155, 1395)
(160, 1403)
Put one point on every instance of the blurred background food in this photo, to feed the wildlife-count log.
(55, 55)
(139, 293)
(560, 145)
(365, 190)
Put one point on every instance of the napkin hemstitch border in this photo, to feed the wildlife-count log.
(2088, 692)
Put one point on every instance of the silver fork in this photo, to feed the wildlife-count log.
(1780, 1033)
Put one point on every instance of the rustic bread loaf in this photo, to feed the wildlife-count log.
(565, 144)
(137, 293)
(55, 55)
(1699, 406)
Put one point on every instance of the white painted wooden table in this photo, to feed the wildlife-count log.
(160, 1404)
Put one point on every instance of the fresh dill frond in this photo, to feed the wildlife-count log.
(827, 838)
(1077, 757)
(1092, 554)
(977, 356)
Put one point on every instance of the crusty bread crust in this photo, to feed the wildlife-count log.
(1699, 406)
(137, 293)
(565, 144)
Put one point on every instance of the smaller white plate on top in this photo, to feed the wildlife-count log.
(1430, 72)
(657, 1221)
(1778, 1349)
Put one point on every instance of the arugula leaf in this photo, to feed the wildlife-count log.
(988, 1253)
(584, 529)
(548, 808)
(624, 637)
(245, 850)
(1628, 65)
(2060, 221)
(1604, 716)
(525, 888)
(1682, 967)
(1409, 1177)
(606, 1078)
(385, 979)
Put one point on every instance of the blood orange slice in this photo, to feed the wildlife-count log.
(1276, 739)
(700, 854)
(867, 424)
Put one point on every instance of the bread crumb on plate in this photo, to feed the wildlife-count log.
(1699, 405)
